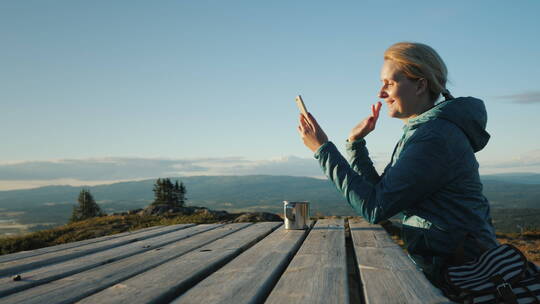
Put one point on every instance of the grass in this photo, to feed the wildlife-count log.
(528, 241)
(95, 227)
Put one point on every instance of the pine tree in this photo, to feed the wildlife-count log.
(158, 193)
(175, 195)
(87, 207)
(167, 193)
(181, 193)
(168, 190)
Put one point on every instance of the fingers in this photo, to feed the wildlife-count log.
(304, 121)
(312, 121)
(371, 120)
(378, 108)
(375, 109)
(304, 124)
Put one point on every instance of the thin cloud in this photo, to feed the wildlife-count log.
(114, 169)
(523, 98)
(526, 162)
(92, 169)
(97, 171)
(290, 165)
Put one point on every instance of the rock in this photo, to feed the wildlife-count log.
(163, 209)
(154, 210)
(134, 211)
(215, 213)
(258, 217)
(166, 209)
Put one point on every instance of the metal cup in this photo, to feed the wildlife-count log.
(296, 215)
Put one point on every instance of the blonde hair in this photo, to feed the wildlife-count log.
(417, 60)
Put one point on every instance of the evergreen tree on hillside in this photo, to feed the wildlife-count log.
(167, 193)
(87, 207)
(180, 191)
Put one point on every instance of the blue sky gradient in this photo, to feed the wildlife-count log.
(217, 79)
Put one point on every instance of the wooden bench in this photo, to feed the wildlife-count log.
(336, 261)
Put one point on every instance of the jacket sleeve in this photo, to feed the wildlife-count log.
(419, 172)
(360, 161)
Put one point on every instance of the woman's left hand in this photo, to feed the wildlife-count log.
(310, 131)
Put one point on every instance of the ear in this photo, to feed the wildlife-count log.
(421, 86)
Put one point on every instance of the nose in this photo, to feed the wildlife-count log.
(382, 93)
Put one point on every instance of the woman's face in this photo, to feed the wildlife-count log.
(399, 92)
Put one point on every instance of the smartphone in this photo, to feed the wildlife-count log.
(301, 105)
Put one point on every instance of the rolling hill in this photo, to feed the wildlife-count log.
(51, 206)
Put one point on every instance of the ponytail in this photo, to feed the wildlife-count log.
(446, 94)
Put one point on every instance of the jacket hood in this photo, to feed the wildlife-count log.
(468, 113)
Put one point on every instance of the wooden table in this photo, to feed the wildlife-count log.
(222, 263)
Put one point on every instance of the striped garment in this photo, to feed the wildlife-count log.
(500, 275)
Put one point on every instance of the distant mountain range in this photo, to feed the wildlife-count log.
(519, 178)
(49, 206)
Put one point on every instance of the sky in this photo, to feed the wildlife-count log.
(101, 91)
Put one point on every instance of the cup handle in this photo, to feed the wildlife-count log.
(289, 212)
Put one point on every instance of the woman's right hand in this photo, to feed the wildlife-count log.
(367, 125)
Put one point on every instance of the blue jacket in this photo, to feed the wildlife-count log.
(432, 180)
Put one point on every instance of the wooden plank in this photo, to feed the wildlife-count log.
(250, 277)
(386, 272)
(174, 277)
(29, 253)
(81, 285)
(56, 271)
(318, 272)
(20, 265)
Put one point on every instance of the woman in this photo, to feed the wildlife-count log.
(432, 177)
